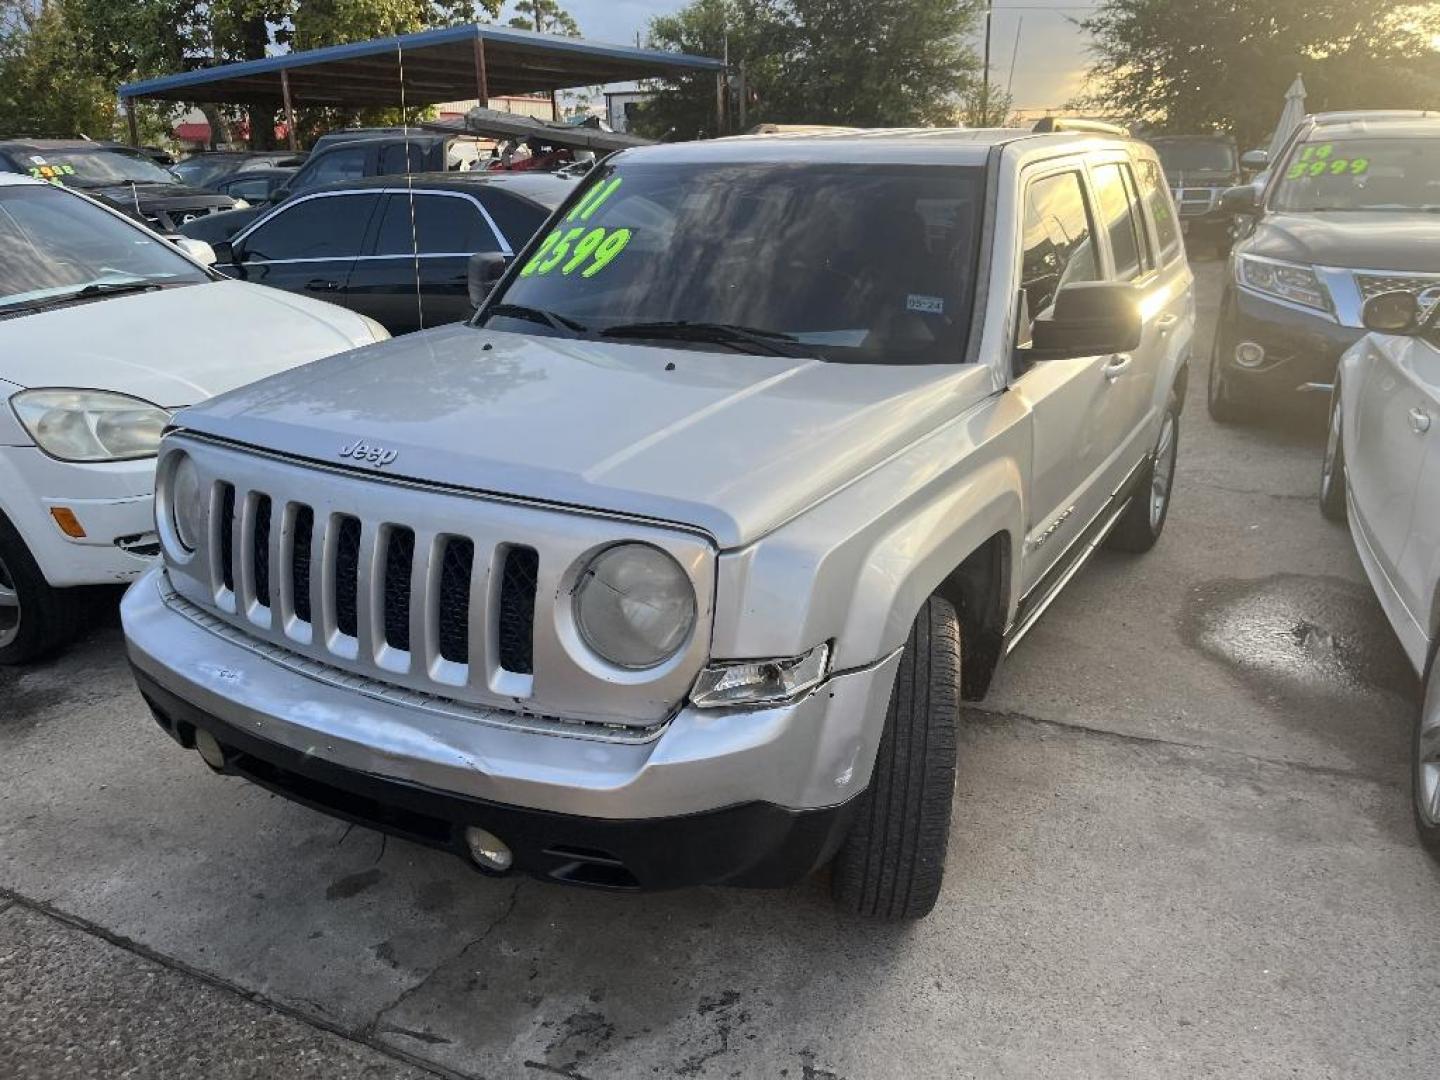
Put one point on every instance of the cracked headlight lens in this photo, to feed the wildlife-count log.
(634, 606)
(761, 682)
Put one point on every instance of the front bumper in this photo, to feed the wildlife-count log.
(112, 501)
(785, 773)
(1302, 349)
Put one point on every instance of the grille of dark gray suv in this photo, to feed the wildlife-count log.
(335, 546)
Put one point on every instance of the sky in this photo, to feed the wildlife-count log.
(1048, 66)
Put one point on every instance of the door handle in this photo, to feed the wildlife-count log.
(321, 285)
(1166, 323)
(1419, 421)
(1114, 367)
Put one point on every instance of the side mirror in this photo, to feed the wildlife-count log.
(483, 271)
(1395, 312)
(277, 196)
(223, 252)
(198, 250)
(1090, 318)
(1244, 199)
(1258, 160)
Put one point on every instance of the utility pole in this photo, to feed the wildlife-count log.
(985, 89)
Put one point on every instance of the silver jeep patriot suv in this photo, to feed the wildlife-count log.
(673, 565)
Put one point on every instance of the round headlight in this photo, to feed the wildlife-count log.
(187, 506)
(634, 606)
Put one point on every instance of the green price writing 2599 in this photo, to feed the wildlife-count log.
(572, 245)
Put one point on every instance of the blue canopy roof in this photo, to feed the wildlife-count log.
(439, 65)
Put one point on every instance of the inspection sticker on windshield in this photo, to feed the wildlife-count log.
(926, 305)
(572, 245)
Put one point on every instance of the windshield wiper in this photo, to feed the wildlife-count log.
(110, 288)
(767, 342)
(535, 314)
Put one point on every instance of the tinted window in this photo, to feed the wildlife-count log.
(518, 219)
(444, 224)
(337, 165)
(53, 243)
(1059, 245)
(869, 264)
(1162, 211)
(394, 156)
(1360, 174)
(1120, 218)
(253, 189)
(328, 227)
(93, 168)
(1197, 155)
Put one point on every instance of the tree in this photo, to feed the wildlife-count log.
(544, 16)
(983, 106)
(1195, 67)
(867, 63)
(48, 82)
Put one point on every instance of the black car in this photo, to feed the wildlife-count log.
(394, 250)
(1199, 169)
(208, 167)
(1351, 210)
(121, 176)
(371, 152)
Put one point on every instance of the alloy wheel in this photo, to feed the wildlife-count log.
(1163, 471)
(9, 606)
(1427, 754)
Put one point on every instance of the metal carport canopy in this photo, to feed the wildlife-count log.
(449, 64)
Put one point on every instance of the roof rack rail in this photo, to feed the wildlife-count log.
(1048, 124)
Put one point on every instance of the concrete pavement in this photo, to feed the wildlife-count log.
(1181, 848)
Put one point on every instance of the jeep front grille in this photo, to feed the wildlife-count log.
(444, 593)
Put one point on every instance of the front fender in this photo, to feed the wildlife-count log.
(856, 568)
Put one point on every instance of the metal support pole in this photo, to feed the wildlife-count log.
(130, 120)
(482, 78)
(744, 100)
(555, 106)
(289, 109)
(720, 78)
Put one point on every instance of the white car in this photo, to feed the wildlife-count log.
(1382, 464)
(105, 330)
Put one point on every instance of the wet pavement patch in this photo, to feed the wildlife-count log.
(1293, 631)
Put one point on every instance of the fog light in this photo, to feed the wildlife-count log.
(488, 850)
(1249, 354)
(209, 749)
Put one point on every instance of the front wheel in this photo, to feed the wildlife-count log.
(1332, 471)
(34, 618)
(1425, 764)
(1219, 400)
(1143, 521)
(892, 863)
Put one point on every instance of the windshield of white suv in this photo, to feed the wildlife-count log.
(1360, 174)
(56, 246)
(1183, 156)
(84, 167)
(860, 263)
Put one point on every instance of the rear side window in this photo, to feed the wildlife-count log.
(444, 225)
(330, 168)
(1120, 218)
(328, 227)
(1059, 243)
(393, 158)
(1157, 197)
(519, 219)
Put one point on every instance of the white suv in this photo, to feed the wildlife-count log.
(658, 571)
(106, 329)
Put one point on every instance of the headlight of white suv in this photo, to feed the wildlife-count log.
(90, 425)
(184, 501)
(1288, 281)
(634, 606)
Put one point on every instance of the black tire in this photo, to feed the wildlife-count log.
(45, 618)
(892, 862)
(1427, 827)
(1219, 397)
(1144, 519)
(1332, 468)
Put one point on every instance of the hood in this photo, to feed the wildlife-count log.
(176, 346)
(730, 443)
(1361, 240)
(123, 196)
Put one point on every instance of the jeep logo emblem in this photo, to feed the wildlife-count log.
(372, 455)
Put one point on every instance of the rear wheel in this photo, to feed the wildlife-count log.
(34, 618)
(1425, 764)
(1332, 471)
(1144, 519)
(892, 863)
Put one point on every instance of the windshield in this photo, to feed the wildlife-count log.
(92, 168)
(1199, 156)
(201, 171)
(1361, 174)
(859, 263)
(52, 244)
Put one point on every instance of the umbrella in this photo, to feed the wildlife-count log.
(1290, 117)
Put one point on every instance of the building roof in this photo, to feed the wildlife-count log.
(439, 65)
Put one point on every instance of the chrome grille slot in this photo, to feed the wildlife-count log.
(517, 609)
(438, 592)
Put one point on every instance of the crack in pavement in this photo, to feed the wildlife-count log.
(372, 1028)
(1383, 779)
(14, 899)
